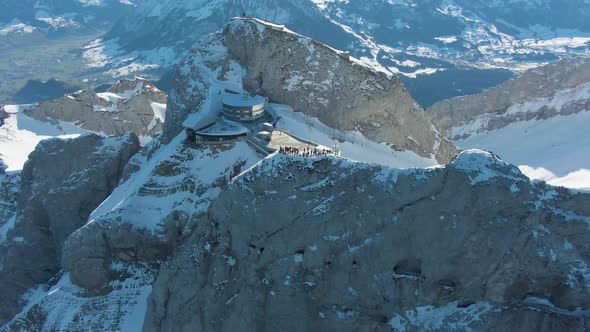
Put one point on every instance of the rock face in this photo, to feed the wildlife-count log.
(538, 86)
(129, 106)
(62, 183)
(132, 231)
(164, 192)
(3, 116)
(9, 185)
(342, 92)
(299, 245)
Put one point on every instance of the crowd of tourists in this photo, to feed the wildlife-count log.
(306, 152)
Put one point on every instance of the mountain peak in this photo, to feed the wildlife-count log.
(317, 80)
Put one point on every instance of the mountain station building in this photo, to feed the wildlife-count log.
(243, 107)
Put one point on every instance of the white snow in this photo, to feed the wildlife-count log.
(447, 40)
(353, 145)
(556, 150)
(203, 166)
(159, 114)
(5, 228)
(449, 316)
(20, 134)
(67, 307)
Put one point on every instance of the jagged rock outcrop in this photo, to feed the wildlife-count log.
(538, 93)
(62, 183)
(342, 92)
(3, 116)
(330, 244)
(135, 106)
(179, 188)
(9, 185)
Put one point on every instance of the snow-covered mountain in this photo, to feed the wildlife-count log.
(537, 121)
(342, 92)
(135, 106)
(129, 106)
(456, 40)
(100, 233)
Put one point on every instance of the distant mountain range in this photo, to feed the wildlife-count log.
(439, 48)
(452, 47)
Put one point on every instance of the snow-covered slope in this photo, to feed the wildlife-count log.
(352, 144)
(554, 149)
(20, 134)
(537, 121)
(129, 106)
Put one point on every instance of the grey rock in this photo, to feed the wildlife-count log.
(313, 78)
(62, 183)
(9, 185)
(536, 83)
(119, 235)
(131, 111)
(90, 251)
(3, 116)
(299, 245)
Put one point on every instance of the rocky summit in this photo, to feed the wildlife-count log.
(342, 92)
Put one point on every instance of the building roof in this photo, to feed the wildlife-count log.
(223, 128)
(242, 100)
(199, 120)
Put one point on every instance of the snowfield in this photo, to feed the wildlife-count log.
(556, 150)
